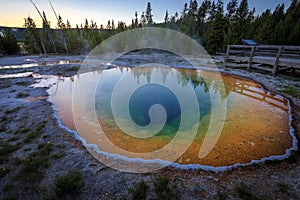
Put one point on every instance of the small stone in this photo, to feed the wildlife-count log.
(251, 143)
(272, 140)
(180, 160)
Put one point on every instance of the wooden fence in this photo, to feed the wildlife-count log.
(265, 57)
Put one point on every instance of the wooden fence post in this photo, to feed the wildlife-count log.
(251, 57)
(275, 68)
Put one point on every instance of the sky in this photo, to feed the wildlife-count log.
(13, 12)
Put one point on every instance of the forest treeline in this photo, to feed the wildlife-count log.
(211, 23)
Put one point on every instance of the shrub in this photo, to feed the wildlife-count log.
(140, 192)
(69, 184)
(244, 192)
(162, 188)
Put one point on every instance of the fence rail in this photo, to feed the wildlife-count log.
(281, 58)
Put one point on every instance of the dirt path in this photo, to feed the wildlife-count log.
(34, 150)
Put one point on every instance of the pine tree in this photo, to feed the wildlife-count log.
(121, 26)
(62, 35)
(176, 16)
(183, 18)
(173, 20)
(193, 7)
(136, 21)
(265, 28)
(148, 15)
(185, 10)
(294, 37)
(166, 19)
(8, 43)
(214, 38)
(188, 21)
(113, 25)
(239, 27)
(212, 11)
(143, 20)
(202, 17)
(74, 40)
(279, 33)
(231, 11)
(192, 18)
(32, 39)
(277, 24)
(86, 25)
(68, 26)
(108, 26)
(291, 20)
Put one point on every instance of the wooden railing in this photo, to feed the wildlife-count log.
(280, 58)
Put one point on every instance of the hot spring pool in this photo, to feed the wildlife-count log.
(256, 127)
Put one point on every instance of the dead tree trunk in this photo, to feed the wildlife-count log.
(62, 33)
(47, 29)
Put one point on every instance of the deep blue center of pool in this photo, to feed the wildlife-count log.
(148, 95)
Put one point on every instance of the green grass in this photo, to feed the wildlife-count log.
(32, 135)
(7, 188)
(22, 83)
(140, 192)
(4, 171)
(23, 130)
(3, 118)
(17, 161)
(245, 193)
(40, 127)
(9, 198)
(3, 159)
(12, 139)
(283, 187)
(3, 129)
(32, 167)
(291, 90)
(58, 155)
(45, 136)
(12, 110)
(162, 189)
(222, 195)
(6, 149)
(33, 163)
(27, 149)
(45, 148)
(69, 184)
(21, 95)
(74, 68)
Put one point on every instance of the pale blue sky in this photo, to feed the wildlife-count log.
(13, 12)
